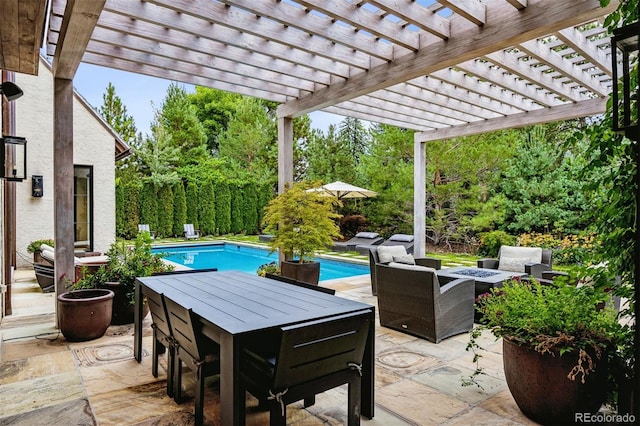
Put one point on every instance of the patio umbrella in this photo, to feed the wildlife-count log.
(342, 190)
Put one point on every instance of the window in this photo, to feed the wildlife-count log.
(83, 207)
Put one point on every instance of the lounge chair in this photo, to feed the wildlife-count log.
(144, 227)
(83, 265)
(190, 233)
(361, 238)
(405, 240)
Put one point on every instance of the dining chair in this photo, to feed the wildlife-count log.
(199, 353)
(307, 359)
(162, 335)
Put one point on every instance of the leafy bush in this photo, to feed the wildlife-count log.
(352, 224)
(35, 245)
(490, 242)
(268, 268)
(537, 239)
(574, 249)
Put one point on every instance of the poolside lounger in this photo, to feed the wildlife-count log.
(361, 238)
(405, 240)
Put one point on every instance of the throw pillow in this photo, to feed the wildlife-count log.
(407, 259)
(405, 238)
(513, 264)
(411, 267)
(369, 235)
(386, 253)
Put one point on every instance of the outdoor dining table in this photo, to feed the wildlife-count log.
(233, 305)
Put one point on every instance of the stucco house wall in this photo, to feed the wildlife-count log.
(94, 145)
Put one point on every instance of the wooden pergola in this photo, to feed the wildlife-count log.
(442, 68)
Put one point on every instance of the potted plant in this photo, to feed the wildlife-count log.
(557, 347)
(34, 247)
(301, 222)
(126, 262)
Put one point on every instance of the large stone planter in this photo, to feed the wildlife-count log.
(84, 314)
(308, 272)
(123, 309)
(540, 386)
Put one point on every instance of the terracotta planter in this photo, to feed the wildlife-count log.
(308, 272)
(540, 386)
(84, 314)
(123, 309)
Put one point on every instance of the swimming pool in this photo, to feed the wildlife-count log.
(226, 256)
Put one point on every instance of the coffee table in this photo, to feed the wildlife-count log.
(486, 279)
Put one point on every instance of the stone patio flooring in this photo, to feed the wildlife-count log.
(45, 380)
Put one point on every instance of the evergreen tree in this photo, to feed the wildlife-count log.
(329, 159)
(165, 211)
(354, 135)
(223, 207)
(178, 117)
(114, 112)
(193, 201)
(179, 209)
(149, 205)
(250, 195)
(207, 209)
(237, 209)
(158, 158)
(131, 206)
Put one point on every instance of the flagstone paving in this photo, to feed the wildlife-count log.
(46, 380)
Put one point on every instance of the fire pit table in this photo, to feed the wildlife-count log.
(486, 279)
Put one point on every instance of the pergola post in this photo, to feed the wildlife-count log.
(419, 196)
(9, 203)
(285, 152)
(63, 183)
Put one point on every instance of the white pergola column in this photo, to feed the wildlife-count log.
(63, 182)
(419, 196)
(285, 152)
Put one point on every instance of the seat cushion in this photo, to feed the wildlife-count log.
(386, 253)
(514, 258)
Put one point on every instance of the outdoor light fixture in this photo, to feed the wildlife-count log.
(624, 50)
(14, 155)
(10, 90)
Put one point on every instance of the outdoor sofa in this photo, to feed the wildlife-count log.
(531, 260)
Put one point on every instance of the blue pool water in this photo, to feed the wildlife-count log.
(227, 257)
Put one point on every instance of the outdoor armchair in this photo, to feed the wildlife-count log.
(531, 260)
(191, 233)
(144, 227)
(398, 253)
(361, 238)
(411, 300)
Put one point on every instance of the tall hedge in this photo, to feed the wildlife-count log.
(237, 209)
(179, 209)
(165, 211)
(207, 209)
(251, 224)
(131, 209)
(121, 218)
(149, 206)
(266, 193)
(223, 207)
(192, 195)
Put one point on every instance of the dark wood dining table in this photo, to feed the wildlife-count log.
(233, 305)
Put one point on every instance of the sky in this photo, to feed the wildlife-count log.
(143, 95)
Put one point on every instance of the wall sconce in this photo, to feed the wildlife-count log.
(14, 155)
(624, 49)
(10, 90)
(37, 186)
